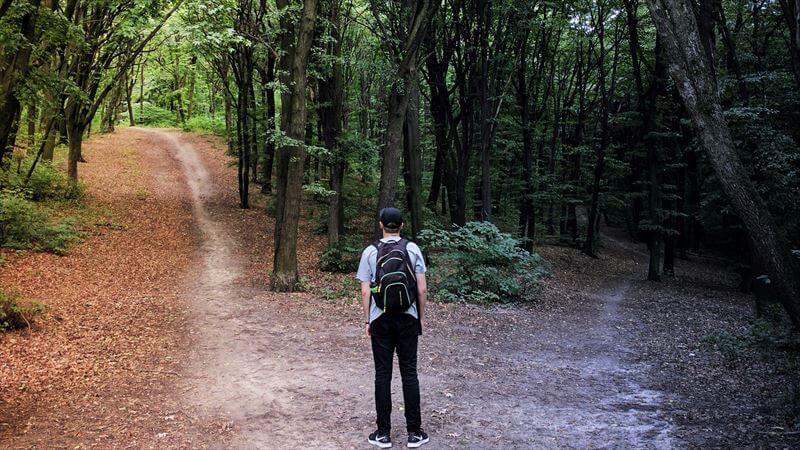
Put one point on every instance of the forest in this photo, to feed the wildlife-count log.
(506, 131)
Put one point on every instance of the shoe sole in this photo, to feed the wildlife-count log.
(380, 444)
(418, 444)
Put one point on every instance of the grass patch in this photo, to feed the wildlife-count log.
(25, 225)
(15, 315)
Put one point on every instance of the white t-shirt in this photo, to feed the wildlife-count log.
(367, 268)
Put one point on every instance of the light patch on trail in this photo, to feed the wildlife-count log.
(229, 375)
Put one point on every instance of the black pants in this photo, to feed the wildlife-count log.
(399, 332)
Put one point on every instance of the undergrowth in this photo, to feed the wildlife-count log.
(479, 263)
(14, 314)
(27, 217)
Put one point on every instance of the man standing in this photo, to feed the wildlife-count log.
(394, 294)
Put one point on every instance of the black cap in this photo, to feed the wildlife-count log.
(391, 218)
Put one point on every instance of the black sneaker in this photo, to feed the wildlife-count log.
(417, 438)
(380, 439)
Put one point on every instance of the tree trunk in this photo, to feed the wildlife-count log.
(292, 156)
(12, 72)
(691, 69)
(192, 77)
(74, 156)
(32, 116)
(331, 111)
(268, 93)
(439, 109)
(654, 206)
(129, 84)
(412, 161)
(398, 101)
(527, 216)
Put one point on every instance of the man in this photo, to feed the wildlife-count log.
(393, 311)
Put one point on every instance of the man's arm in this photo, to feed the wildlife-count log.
(365, 298)
(422, 294)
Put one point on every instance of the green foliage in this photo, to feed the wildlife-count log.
(318, 191)
(14, 315)
(729, 345)
(46, 182)
(25, 225)
(768, 336)
(363, 155)
(343, 256)
(154, 116)
(206, 124)
(478, 263)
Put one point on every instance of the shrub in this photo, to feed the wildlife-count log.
(24, 225)
(46, 182)
(342, 257)
(206, 124)
(13, 315)
(154, 116)
(478, 263)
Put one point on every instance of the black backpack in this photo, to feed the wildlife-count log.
(395, 286)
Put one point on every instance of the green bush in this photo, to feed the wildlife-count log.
(478, 263)
(46, 182)
(13, 315)
(154, 116)
(206, 124)
(25, 225)
(342, 257)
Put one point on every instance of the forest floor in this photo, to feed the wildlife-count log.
(162, 333)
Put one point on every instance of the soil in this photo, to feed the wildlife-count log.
(603, 360)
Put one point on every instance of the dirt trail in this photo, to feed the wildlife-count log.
(227, 375)
(491, 378)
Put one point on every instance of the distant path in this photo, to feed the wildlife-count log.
(491, 378)
(227, 372)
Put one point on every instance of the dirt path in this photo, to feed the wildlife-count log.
(286, 369)
(162, 334)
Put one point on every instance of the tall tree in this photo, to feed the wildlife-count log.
(106, 30)
(692, 68)
(296, 44)
(15, 63)
(330, 109)
(403, 24)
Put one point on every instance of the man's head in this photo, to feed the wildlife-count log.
(391, 220)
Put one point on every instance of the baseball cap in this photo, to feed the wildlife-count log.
(391, 218)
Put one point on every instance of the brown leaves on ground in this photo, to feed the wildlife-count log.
(92, 369)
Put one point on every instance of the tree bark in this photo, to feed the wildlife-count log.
(129, 84)
(292, 156)
(14, 71)
(330, 110)
(412, 161)
(398, 101)
(268, 93)
(692, 71)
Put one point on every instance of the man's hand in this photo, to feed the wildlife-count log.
(366, 293)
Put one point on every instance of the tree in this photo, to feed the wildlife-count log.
(330, 108)
(296, 43)
(14, 67)
(403, 25)
(692, 68)
(110, 44)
